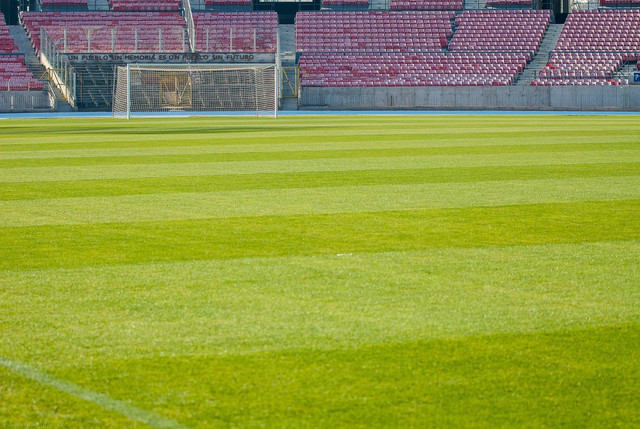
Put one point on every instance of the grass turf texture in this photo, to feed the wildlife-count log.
(475, 271)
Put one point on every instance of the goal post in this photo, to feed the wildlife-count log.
(170, 89)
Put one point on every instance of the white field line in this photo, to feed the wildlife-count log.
(99, 399)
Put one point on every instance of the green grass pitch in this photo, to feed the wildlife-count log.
(321, 271)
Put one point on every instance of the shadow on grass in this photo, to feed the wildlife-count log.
(580, 378)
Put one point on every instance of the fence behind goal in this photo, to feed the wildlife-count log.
(174, 89)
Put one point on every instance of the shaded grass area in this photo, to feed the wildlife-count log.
(583, 378)
(117, 243)
(317, 154)
(237, 182)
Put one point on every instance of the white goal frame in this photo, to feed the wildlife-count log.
(192, 89)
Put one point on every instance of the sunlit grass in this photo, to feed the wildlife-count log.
(436, 271)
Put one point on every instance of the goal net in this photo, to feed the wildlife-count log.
(171, 89)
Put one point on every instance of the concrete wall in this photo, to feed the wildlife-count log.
(485, 98)
(25, 101)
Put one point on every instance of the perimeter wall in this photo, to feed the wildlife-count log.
(25, 101)
(625, 97)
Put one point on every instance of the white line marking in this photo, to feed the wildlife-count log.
(99, 399)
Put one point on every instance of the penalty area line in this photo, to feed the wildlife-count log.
(100, 399)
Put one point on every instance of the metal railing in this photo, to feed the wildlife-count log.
(61, 73)
(109, 39)
(191, 28)
(37, 6)
(290, 79)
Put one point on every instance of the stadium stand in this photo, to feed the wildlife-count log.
(227, 2)
(15, 76)
(7, 44)
(427, 4)
(108, 31)
(624, 3)
(499, 30)
(509, 3)
(613, 30)
(55, 3)
(145, 6)
(372, 31)
(480, 52)
(236, 31)
(592, 47)
(403, 69)
(408, 43)
(345, 3)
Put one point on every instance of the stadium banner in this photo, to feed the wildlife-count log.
(173, 57)
(634, 79)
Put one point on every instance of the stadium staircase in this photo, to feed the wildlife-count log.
(379, 4)
(287, 35)
(626, 70)
(34, 65)
(98, 5)
(288, 47)
(541, 59)
(474, 4)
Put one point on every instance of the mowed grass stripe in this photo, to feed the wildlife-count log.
(237, 182)
(135, 242)
(364, 142)
(418, 383)
(293, 332)
(279, 202)
(315, 154)
(401, 138)
(44, 174)
(95, 398)
(253, 305)
(489, 380)
(107, 133)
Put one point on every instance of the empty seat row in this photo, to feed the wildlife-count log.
(373, 31)
(345, 2)
(619, 2)
(493, 3)
(147, 5)
(15, 76)
(427, 4)
(418, 69)
(77, 32)
(592, 48)
(227, 2)
(7, 44)
(601, 30)
(51, 3)
(579, 82)
(500, 30)
(236, 31)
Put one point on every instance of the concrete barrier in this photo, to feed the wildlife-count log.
(25, 101)
(612, 98)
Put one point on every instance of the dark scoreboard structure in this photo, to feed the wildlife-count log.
(9, 9)
(287, 9)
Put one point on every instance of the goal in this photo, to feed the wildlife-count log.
(149, 90)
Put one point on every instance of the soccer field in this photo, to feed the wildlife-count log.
(321, 271)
